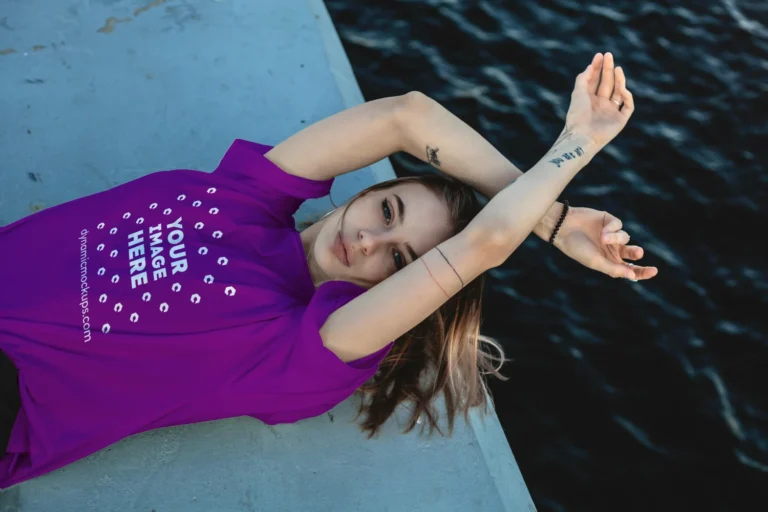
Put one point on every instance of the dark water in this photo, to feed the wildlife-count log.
(623, 396)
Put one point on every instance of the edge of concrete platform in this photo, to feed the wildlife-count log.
(344, 76)
(501, 463)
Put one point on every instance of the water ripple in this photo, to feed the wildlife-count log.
(751, 26)
(638, 434)
(750, 462)
(727, 411)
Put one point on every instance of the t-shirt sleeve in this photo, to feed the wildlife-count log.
(280, 192)
(319, 365)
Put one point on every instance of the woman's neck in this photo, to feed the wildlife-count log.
(308, 239)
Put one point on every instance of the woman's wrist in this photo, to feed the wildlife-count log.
(547, 224)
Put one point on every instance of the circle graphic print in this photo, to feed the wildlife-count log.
(100, 247)
(222, 261)
(167, 211)
(102, 271)
(181, 197)
(146, 297)
(115, 278)
(153, 206)
(118, 307)
(197, 203)
(213, 211)
(208, 279)
(229, 291)
(195, 299)
(199, 225)
(105, 328)
(202, 251)
(134, 317)
(100, 226)
(126, 215)
(140, 220)
(113, 231)
(176, 287)
(164, 307)
(211, 190)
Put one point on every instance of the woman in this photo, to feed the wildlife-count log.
(185, 296)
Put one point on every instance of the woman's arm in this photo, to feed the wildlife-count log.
(403, 300)
(436, 136)
(364, 134)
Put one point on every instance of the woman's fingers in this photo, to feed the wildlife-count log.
(594, 80)
(630, 252)
(641, 272)
(605, 90)
(622, 91)
(613, 223)
(619, 237)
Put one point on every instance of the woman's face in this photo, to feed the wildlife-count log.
(382, 232)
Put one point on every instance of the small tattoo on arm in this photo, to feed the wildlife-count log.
(568, 155)
(432, 156)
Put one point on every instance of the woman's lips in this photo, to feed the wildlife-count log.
(340, 250)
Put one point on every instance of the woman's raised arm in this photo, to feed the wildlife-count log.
(403, 300)
(364, 134)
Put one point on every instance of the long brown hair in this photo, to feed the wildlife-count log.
(445, 352)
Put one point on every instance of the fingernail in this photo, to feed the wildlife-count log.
(631, 275)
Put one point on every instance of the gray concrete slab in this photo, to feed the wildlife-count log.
(97, 93)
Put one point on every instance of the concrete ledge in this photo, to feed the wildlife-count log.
(92, 100)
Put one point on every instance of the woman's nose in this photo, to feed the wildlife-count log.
(370, 240)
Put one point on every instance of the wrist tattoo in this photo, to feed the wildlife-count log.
(432, 156)
(568, 155)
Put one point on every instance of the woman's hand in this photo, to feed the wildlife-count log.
(601, 105)
(596, 240)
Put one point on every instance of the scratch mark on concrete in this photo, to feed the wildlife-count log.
(109, 25)
(330, 416)
(38, 47)
(4, 23)
(35, 81)
(36, 207)
(35, 176)
(7, 51)
(149, 6)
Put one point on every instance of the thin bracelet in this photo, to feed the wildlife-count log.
(433, 277)
(559, 223)
(449, 264)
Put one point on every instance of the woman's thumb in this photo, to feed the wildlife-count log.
(581, 80)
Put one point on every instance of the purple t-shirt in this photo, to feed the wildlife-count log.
(179, 297)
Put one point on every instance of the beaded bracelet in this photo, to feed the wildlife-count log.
(559, 223)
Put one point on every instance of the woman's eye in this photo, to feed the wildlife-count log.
(399, 262)
(387, 211)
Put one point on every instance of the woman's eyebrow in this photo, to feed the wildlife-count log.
(401, 216)
(400, 208)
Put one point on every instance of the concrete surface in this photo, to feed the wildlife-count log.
(96, 93)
